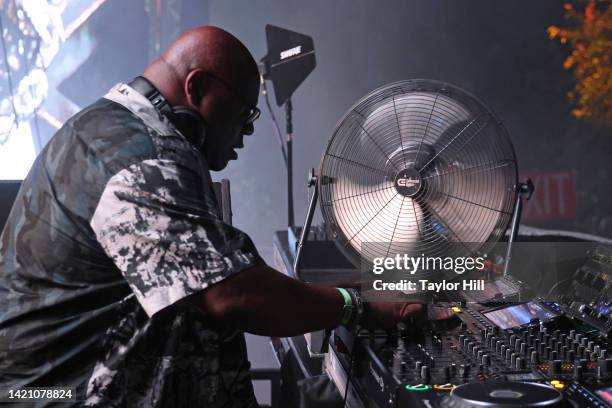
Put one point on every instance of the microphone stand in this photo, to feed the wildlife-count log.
(289, 144)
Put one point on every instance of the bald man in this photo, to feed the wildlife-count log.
(119, 281)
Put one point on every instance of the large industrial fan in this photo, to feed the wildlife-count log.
(417, 167)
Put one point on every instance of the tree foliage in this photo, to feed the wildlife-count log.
(589, 33)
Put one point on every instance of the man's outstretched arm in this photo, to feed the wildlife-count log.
(263, 301)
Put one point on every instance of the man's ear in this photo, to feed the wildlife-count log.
(196, 86)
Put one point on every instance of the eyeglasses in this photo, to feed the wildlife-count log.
(253, 113)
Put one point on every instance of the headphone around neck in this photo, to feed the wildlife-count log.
(188, 121)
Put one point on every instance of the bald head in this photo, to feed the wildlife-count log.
(210, 49)
(210, 71)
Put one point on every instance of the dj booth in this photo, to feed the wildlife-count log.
(559, 356)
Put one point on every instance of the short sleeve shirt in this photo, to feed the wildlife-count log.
(115, 226)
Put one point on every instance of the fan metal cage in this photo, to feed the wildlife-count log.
(417, 166)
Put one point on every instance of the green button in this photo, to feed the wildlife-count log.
(418, 387)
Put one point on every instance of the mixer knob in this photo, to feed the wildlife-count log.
(584, 341)
(570, 356)
(418, 365)
(555, 367)
(590, 345)
(578, 337)
(572, 333)
(548, 352)
(486, 360)
(523, 349)
(513, 358)
(535, 358)
(425, 374)
(464, 370)
(605, 366)
(578, 371)
(492, 341)
(581, 352)
(520, 363)
(479, 355)
(498, 345)
(461, 338)
(508, 354)
(546, 339)
(483, 333)
(517, 344)
(399, 366)
(446, 373)
(512, 339)
(553, 355)
(603, 354)
(502, 350)
(562, 338)
(596, 349)
(531, 340)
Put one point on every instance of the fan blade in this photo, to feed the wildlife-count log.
(380, 223)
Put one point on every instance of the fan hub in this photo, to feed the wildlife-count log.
(408, 182)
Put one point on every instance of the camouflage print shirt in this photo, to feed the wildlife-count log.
(115, 225)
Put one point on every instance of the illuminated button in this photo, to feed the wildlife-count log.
(444, 387)
(456, 309)
(557, 384)
(418, 387)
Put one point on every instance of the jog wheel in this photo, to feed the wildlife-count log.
(505, 395)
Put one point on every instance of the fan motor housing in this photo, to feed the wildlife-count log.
(408, 182)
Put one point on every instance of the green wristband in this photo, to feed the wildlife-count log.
(347, 309)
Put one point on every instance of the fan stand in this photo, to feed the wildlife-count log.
(523, 189)
(312, 204)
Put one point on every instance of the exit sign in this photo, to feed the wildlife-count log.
(554, 197)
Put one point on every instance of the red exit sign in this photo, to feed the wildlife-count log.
(554, 197)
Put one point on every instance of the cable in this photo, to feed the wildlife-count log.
(555, 286)
(264, 92)
(350, 370)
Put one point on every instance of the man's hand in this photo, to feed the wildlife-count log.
(386, 315)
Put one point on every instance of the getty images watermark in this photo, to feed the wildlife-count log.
(404, 264)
